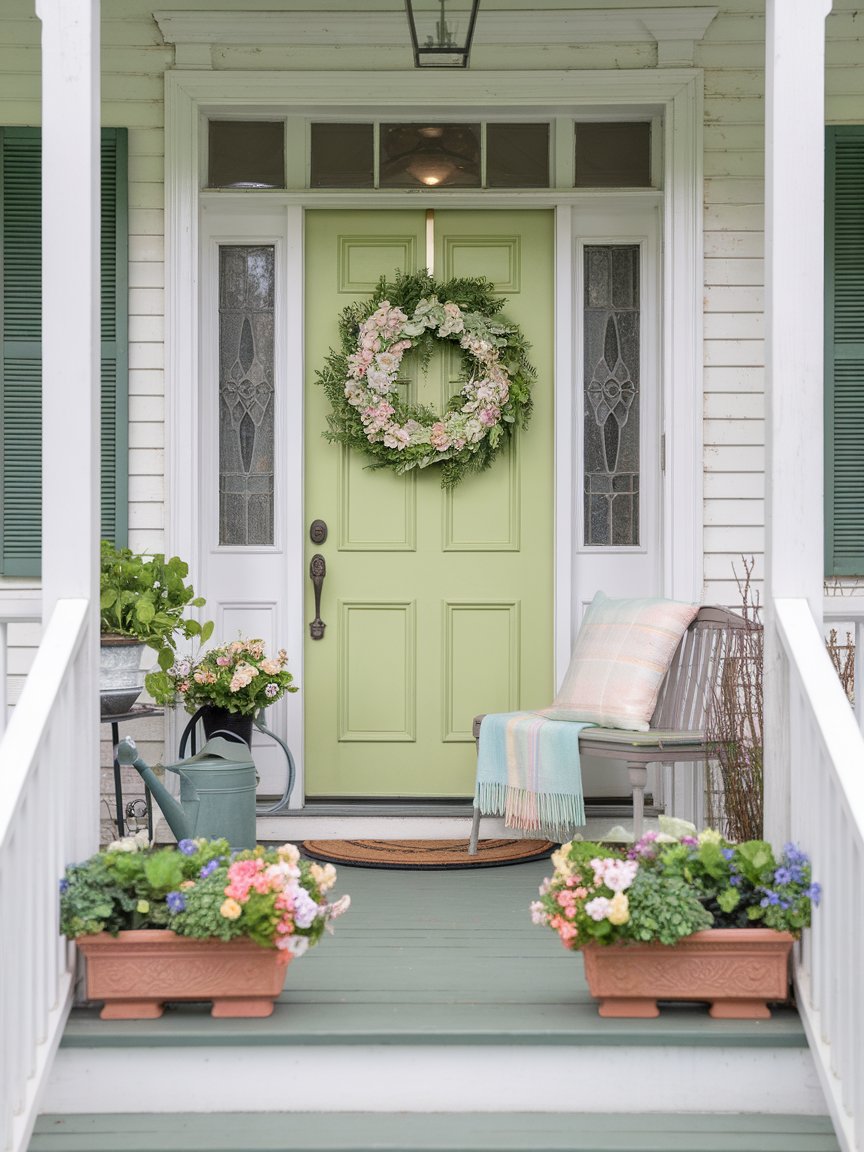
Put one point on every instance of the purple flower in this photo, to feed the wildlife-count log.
(814, 892)
(769, 898)
(271, 690)
(209, 869)
(64, 887)
(727, 853)
(176, 902)
(792, 854)
(188, 847)
(735, 881)
(782, 876)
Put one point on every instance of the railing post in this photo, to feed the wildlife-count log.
(71, 353)
(794, 255)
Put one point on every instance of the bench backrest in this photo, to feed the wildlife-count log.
(694, 674)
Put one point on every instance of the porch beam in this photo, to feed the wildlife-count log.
(794, 262)
(71, 368)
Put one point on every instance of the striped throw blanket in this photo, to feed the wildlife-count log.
(528, 771)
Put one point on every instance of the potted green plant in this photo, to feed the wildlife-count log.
(231, 684)
(142, 601)
(690, 919)
(193, 922)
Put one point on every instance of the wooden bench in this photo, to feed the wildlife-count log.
(677, 732)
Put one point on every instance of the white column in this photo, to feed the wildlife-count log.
(71, 343)
(794, 255)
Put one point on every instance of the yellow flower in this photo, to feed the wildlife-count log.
(324, 876)
(710, 836)
(290, 853)
(560, 861)
(230, 909)
(619, 909)
(143, 906)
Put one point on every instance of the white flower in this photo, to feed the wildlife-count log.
(338, 907)
(538, 913)
(127, 844)
(598, 908)
(296, 945)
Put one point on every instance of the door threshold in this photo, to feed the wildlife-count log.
(357, 821)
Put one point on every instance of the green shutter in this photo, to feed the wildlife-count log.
(115, 337)
(21, 382)
(844, 351)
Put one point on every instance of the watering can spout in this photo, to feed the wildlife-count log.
(180, 821)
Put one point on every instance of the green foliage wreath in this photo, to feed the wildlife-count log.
(415, 312)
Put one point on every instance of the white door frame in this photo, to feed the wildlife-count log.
(676, 94)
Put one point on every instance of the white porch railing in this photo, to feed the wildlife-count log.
(44, 801)
(848, 613)
(827, 820)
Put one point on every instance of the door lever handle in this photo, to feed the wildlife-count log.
(317, 572)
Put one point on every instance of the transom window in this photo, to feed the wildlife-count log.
(333, 154)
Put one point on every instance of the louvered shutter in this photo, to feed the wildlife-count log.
(21, 382)
(844, 351)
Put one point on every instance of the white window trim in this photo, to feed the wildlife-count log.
(675, 93)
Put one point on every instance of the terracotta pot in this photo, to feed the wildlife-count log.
(137, 972)
(736, 969)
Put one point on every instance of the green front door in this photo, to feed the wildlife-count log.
(437, 605)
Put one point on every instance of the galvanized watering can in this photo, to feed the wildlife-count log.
(217, 791)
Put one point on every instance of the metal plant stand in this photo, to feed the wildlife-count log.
(137, 712)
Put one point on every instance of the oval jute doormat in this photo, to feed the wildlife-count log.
(409, 854)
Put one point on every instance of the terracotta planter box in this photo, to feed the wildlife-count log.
(137, 972)
(736, 969)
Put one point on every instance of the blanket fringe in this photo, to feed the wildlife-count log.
(554, 815)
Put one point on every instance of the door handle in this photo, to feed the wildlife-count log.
(317, 572)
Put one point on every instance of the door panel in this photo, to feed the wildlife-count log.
(438, 605)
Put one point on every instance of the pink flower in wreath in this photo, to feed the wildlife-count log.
(439, 437)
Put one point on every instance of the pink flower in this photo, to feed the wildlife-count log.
(439, 437)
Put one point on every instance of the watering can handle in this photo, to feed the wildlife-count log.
(189, 733)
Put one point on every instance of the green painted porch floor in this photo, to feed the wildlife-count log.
(436, 958)
(434, 1132)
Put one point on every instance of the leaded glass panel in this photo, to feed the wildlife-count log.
(246, 399)
(611, 396)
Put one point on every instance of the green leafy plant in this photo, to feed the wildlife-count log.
(202, 889)
(239, 677)
(144, 598)
(662, 889)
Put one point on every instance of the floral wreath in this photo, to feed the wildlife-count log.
(361, 380)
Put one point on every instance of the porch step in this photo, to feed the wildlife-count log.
(434, 1132)
(436, 994)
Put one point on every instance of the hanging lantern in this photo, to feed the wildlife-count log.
(441, 31)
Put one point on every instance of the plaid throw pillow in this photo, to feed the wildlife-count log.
(623, 651)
